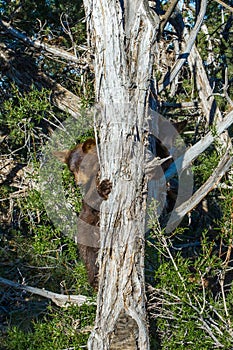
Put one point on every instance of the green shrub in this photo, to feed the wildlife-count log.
(192, 298)
(60, 329)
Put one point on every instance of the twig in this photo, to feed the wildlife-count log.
(218, 315)
(225, 88)
(59, 299)
(204, 323)
(67, 31)
(203, 292)
(164, 241)
(221, 282)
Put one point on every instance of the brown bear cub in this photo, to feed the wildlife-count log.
(83, 162)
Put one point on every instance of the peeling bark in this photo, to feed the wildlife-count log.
(122, 34)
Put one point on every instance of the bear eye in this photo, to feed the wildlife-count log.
(74, 162)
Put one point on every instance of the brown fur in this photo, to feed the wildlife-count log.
(83, 162)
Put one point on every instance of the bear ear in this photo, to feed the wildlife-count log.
(88, 145)
(180, 126)
(62, 156)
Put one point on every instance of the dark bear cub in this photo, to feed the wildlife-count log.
(83, 162)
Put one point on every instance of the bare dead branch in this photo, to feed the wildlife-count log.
(55, 51)
(68, 31)
(189, 44)
(58, 299)
(207, 101)
(193, 152)
(167, 15)
(223, 166)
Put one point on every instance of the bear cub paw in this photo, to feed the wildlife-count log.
(104, 188)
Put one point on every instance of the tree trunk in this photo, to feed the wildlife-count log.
(122, 34)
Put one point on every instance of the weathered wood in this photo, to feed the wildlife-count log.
(224, 165)
(122, 34)
(193, 152)
(60, 300)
